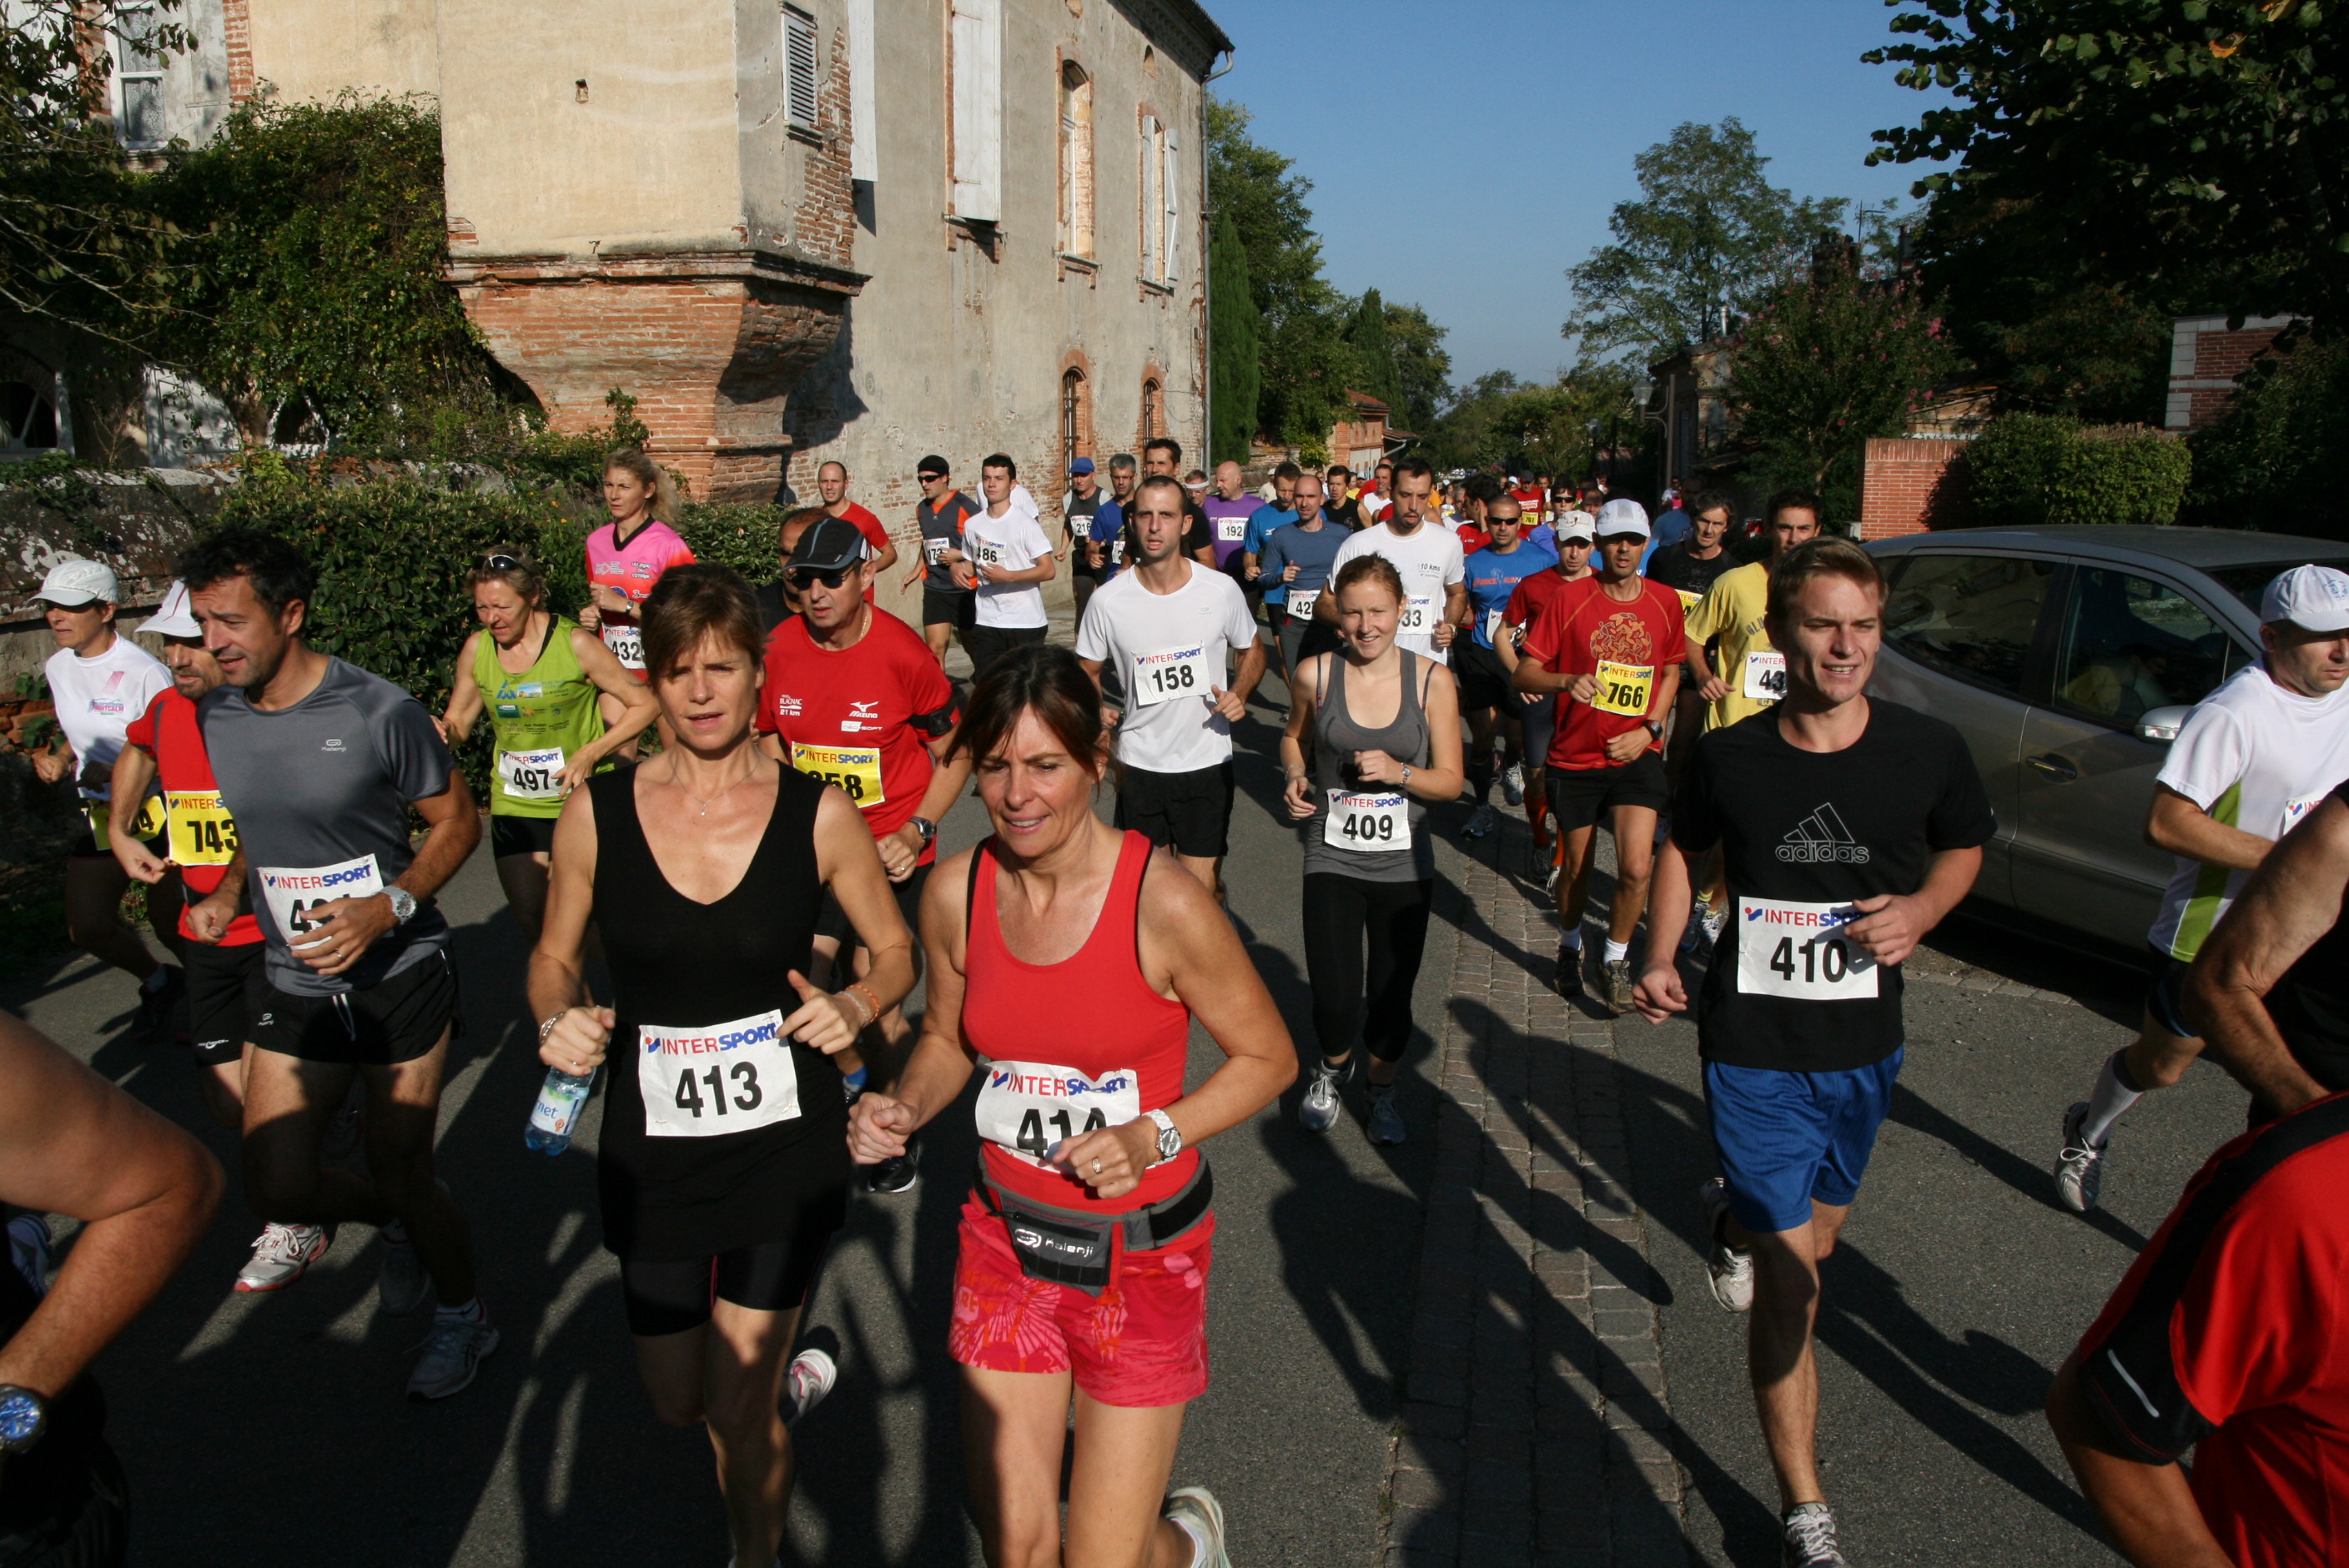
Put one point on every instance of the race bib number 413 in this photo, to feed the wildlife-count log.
(1801, 950)
(717, 1077)
(296, 894)
(1026, 1108)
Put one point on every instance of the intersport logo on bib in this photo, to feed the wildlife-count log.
(1821, 838)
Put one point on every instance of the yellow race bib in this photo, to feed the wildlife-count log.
(1624, 689)
(203, 832)
(855, 768)
(150, 823)
(1689, 600)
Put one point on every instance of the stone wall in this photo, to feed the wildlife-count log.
(137, 525)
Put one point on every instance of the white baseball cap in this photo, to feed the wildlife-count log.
(173, 617)
(1578, 525)
(1621, 516)
(2313, 598)
(72, 583)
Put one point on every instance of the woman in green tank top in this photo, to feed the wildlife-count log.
(537, 674)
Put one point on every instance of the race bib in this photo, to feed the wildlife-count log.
(1624, 689)
(1026, 1108)
(2295, 811)
(986, 552)
(934, 551)
(1418, 617)
(532, 775)
(1366, 820)
(203, 832)
(855, 768)
(1688, 601)
(719, 1078)
(1765, 675)
(627, 645)
(1493, 625)
(150, 823)
(295, 893)
(1800, 951)
(1169, 673)
(1231, 529)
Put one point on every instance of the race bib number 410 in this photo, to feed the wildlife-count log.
(1026, 1108)
(1801, 950)
(717, 1077)
(294, 893)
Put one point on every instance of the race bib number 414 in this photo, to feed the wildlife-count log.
(1801, 950)
(703, 1081)
(1026, 1108)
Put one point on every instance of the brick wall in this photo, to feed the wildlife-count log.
(1909, 486)
(2205, 358)
(236, 25)
(826, 220)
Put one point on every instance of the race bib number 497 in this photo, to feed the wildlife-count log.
(1026, 1108)
(1801, 950)
(717, 1077)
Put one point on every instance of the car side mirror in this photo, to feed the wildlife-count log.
(2162, 724)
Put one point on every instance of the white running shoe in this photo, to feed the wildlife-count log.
(1202, 1517)
(1513, 783)
(1317, 1111)
(2079, 1164)
(1730, 1270)
(284, 1253)
(1810, 1539)
(1481, 821)
(809, 1378)
(452, 1354)
(1386, 1119)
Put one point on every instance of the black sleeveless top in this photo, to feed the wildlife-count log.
(2310, 1003)
(677, 964)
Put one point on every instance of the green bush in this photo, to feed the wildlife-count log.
(2271, 461)
(2013, 467)
(2029, 470)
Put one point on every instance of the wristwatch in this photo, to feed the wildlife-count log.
(23, 1418)
(924, 826)
(403, 904)
(1170, 1137)
(1656, 728)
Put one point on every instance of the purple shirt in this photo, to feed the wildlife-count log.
(1228, 521)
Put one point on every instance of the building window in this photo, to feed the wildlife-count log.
(28, 420)
(139, 80)
(1076, 160)
(1153, 410)
(1076, 417)
(1161, 189)
(975, 86)
(799, 69)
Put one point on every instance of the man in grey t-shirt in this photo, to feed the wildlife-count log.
(319, 763)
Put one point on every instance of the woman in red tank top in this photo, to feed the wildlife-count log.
(1066, 962)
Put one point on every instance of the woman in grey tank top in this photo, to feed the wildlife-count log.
(1381, 726)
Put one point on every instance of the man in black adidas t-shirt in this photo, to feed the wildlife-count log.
(1849, 827)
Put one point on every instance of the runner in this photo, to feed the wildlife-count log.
(1489, 699)
(1079, 506)
(721, 1172)
(1295, 566)
(1801, 1030)
(100, 680)
(831, 484)
(948, 606)
(1183, 640)
(626, 557)
(1688, 568)
(1105, 541)
(2249, 762)
(777, 599)
(853, 697)
(1088, 1138)
(320, 764)
(1010, 562)
(1606, 652)
(1228, 508)
(1537, 716)
(1425, 555)
(1384, 724)
(1164, 454)
(538, 674)
(1377, 499)
(1262, 523)
(1339, 502)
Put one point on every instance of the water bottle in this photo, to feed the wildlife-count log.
(556, 1115)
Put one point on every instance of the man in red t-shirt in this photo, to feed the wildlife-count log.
(853, 696)
(831, 484)
(1613, 647)
(1527, 603)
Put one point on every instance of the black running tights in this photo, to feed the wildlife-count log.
(1344, 918)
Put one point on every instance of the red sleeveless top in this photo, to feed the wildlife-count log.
(1071, 1047)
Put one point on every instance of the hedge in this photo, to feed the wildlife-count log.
(2028, 470)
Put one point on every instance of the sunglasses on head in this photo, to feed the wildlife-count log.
(805, 580)
(497, 563)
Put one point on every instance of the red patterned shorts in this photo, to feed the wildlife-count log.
(1143, 1342)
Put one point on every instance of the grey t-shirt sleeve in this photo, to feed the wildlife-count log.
(414, 757)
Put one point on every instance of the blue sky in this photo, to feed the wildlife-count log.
(1508, 127)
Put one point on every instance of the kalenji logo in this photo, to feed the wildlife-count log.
(1821, 838)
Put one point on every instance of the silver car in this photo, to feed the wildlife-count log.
(2068, 657)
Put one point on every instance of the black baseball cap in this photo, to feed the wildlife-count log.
(932, 467)
(830, 544)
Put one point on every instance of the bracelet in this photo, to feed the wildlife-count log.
(548, 1027)
(867, 996)
(1406, 775)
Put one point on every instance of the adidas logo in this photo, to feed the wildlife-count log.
(1821, 838)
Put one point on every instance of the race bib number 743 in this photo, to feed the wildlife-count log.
(1801, 950)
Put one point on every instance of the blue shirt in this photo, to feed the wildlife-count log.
(1108, 528)
(1492, 577)
(1312, 550)
(1544, 538)
(1260, 525)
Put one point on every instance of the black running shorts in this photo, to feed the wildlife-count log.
(1482, 682)
(1579, 797)
(1190, 813)
(225, 986)
(520, 835)
(396, 1021)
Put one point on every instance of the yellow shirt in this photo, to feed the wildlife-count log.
(1731, 611)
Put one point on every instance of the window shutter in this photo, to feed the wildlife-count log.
(799, 66)
(978, 42)
(1170, 178)
(1154, 170)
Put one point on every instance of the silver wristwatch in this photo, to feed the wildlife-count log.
(1170, 1137)
(403, 904)
(924, 826)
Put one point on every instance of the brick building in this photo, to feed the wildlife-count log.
(2205, 357)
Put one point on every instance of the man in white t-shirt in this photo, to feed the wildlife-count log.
(1008, 561)
(100, 680)
(2254, 758)
(1172, 627)
(1426, 553)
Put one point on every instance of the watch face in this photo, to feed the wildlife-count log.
(20, 1418)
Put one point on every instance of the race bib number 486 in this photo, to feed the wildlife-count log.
(717, 1077)
(1026, 1108)
(1801, 950)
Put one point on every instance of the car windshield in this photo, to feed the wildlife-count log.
(2248, 583)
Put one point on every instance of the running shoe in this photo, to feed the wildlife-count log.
(1194, 1508)
(157, 1007)
(403, 1284)
(28, 1249)
(1317, 1111)
(1810, 1539)
(1481, 821)
(1570, 972)
(809, 1378)
(1541, 860)
(1619, 986)
(1694, 938)
(1731, 1271)
(1513, 783)
(2079, 1164)
(284, 1253)
(1386, 1119)
(452, 1354)
(897, 1175)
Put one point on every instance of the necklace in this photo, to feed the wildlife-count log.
(705, 805)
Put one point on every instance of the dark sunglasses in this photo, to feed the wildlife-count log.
(803, 581)
(929, 478)
(497, 563)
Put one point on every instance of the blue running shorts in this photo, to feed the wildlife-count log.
(1787, 1138)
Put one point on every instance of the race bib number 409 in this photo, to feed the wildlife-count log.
(294, 893)
(1367, 819)
(1801, 950)
(1026, 1108)
(717, 1077)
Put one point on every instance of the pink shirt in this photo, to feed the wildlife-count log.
(631, 570)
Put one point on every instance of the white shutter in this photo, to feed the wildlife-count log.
(978, 42)
(798, 67)
(1154, 170)
(1172, 182)
(863, 129)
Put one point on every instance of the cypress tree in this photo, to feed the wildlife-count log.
(1235, 375)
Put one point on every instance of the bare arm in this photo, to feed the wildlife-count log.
(1891, 924)
(638, 707)
(1296, 788)
(72, 1143)
(2177, 824)
(464, 698)
(2148, 1510)
(1659, 993)
(557, 981)
(1231, 701)
(350, 926)
(879, 1124)
(133, 776)
(1709, 686)
(210, 916)
(850, 867)
(886, 558)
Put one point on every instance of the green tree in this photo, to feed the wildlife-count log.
(2275, 460)
(1235, 378)
(1422, 367)
(1560, 428)
(1374, 359)
(1706, 239)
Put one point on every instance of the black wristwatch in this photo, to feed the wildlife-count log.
(23, 1418)
(1656, 728)
(924, 826)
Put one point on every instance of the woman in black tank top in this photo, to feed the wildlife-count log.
(722, 1164)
